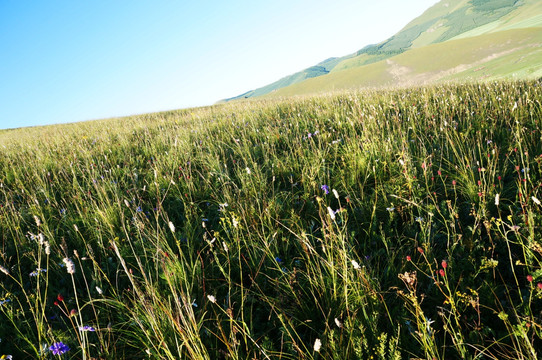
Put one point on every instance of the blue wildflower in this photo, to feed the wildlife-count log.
(139, 209)
(325, 188)
(277, 259)
(59, 348)
(86, 328)
(37, 271)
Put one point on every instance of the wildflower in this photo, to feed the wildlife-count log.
(37, 220)
(420, 250)
(37, 271)
(419, 219)
(390, 209)
(4, 270)
(336, 194)
(100, 291)
(325, 188)
(86, 328)
(171, 227)
(441, 272)
(444, 264)
(225, 246)
(355, 264)
(70, 266)
(338, 323)
(331, 213)
(211, 298)
(428, 325)
(529, 278)
(497, 197)
(248, 170)
(317, 345)
(454, 183)
(139, 209)
(73, 312)
(6, 357)
(59, 348)
(408, 258)
(47, 248)
(539, 286)
(536, 201)
(277, 259)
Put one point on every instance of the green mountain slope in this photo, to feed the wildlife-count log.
(314, 71)
(510, 53)
(448, 20)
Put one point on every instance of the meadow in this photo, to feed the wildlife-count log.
(390, 224)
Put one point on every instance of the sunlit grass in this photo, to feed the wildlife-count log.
(209, 233)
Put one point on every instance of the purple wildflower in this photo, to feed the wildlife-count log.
(59, 348)
(325, 188)
(86, 328)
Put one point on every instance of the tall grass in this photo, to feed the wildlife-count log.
(385, 225)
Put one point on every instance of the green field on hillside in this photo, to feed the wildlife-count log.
(506, 54)
(398, 224)
(444, 23)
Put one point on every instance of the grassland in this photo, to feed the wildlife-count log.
(504, 54)
(379, 224)
(482, 25)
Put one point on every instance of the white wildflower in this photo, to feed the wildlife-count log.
(126, 203)
(37, 220)
(317, 345)
(47, 248)
(171, 227)
(401, 162)
(536, 201)
(248, 170)
(100, 291)
(355, 264)
(211, 298)
(335, 193)
(70, 266)
(225, 246)
(497, 198)
(338, 323)
(4, 270)
(41, 239)
(331, 213)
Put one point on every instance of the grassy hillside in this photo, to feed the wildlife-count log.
(385, 225)
(446, 20)
(505, 54)
(314, 71)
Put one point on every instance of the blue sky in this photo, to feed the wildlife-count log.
(66, 61)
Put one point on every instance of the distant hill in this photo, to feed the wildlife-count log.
(452, 40)
(322, 68)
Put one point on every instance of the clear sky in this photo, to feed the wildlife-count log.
(66, 61)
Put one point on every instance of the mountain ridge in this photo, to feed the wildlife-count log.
(445, 21)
